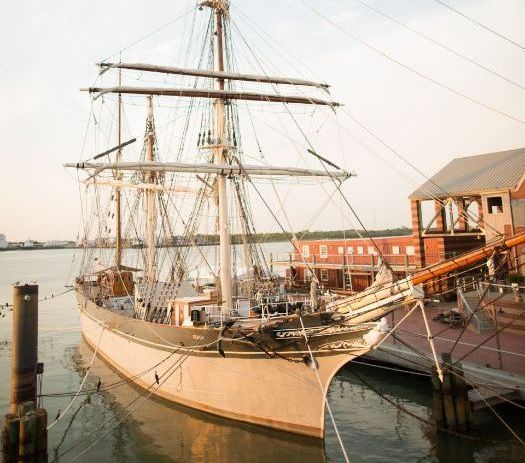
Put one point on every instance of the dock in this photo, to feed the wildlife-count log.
(495, 369)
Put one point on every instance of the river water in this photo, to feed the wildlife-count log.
(371, 428)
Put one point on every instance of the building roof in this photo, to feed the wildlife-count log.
(475, 174)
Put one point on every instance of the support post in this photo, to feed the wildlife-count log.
(451, 404)
(461, 401)
(26, 445)
(448, 402)
(24, 434)
(25, 345)
(344, 271)
(438, 412)
(41, 435)
(10, 436)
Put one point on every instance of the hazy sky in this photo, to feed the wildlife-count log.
(49, 50)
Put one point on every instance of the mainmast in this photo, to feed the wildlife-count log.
(118, 176)
(150, 196)
(221, 155)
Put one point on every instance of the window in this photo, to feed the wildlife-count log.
(395, 250)
(306, 250)
(324, 274)
(323, 251)
(360, 250)
(495, 205)
(410, 250)
(350, 250)
(340, 250)
(371, 250)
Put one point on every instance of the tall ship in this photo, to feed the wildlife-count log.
(176, 301)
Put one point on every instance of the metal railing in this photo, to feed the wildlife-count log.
(344, 260)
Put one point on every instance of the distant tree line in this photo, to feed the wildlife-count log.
(306, 235)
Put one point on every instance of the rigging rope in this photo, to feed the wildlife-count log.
(61, 415)
(149, 391)
(480, 24)
(411, 69)
(323, 392)
(441, 45)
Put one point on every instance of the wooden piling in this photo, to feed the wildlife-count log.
(461, 403)
(24, 434)
(451, 404)
(448, 401)
(25, 345)
(10, 437)
(438, 412)
(41, 436)
(26, 444)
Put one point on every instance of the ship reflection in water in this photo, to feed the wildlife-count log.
(163, 431)
(373, 429)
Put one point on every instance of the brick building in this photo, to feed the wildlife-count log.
(467, 203)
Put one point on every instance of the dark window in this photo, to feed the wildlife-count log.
(495, 205)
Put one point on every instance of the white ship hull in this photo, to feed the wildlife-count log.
(253, 388)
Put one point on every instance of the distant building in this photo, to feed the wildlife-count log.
(3, 241)
(55, 244)
(29, 244)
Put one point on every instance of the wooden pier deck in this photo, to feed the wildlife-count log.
(499, 363)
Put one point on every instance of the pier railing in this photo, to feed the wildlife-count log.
(402, 262)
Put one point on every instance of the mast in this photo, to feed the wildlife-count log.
(118, 177)
(221, 152)
(150, 197)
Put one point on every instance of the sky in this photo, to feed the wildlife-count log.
(49, 51)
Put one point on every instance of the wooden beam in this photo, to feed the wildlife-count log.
(201, 93)
(211, 74)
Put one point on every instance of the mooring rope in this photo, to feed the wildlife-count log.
(45, 298)
(61, 415)
(314, 365)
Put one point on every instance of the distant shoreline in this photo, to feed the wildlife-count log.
(213, 240)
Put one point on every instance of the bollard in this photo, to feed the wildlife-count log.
(25, 345)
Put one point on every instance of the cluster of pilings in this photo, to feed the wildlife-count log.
(452, 409)
(24, 434)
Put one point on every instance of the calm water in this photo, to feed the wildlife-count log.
(372, 429)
